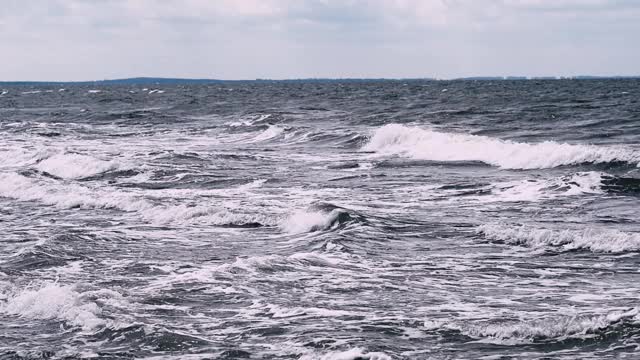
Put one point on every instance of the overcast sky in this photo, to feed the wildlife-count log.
(247, 39)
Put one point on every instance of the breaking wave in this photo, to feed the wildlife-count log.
(583, 327)
(16, 158)
(424, 144)
(271, 132)
(52, 301)
(350, 354)
(74, 166)
(68, 196)
(607, 241)
(317, 218)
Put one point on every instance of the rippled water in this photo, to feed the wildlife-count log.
(376, 220)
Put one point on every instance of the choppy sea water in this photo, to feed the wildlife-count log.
(377, 220)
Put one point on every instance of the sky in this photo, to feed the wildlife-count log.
(71, 40)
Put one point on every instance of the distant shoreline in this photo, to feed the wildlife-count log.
(169, 81)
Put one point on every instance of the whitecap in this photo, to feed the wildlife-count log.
(424, 144)
(16, 186)
(350, 354)
(252, 185)
(10, 158)
(596, 240)
(53, 301)
(271, 132)
(584, 326)
(72, 166)
(278, 311)
(67, 196)
(303, 221)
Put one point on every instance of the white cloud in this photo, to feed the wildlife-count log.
(80, 39)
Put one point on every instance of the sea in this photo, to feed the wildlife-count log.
(333, 220)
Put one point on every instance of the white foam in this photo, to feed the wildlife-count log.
(306, 221)
(31, 92)
(94, 91)
(522, 190)
(252, 185)
(425, 144)
(580, 326)
(253, 264)
(13, 158)
(67, 196)
(271, 132)
(545, 189)
(72, 166)
(277, 311)
(351, 354)
(52, 301)
(612, 241)
(203, 214)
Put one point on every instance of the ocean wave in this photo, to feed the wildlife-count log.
(252, 120)
(39, 255)
(155, 337)
(207, 274)
(620, 185)
(350, 354)
(425, 144)
(277, 311)
(545, 189)
(74, 166)
(53, 301)
(252, 185)
(544, 330)
(271, 132)
(316, 218)
(522, 190)
(203, 214)
(15, 158)
(607, 241)
(68, 196)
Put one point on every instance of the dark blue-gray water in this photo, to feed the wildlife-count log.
(374, 220)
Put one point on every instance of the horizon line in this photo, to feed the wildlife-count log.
(187, 79)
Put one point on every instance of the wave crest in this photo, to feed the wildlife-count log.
(74, 166)
(609, 241)
(350, 354)
(67, 196)
(52, 301)
(317, 218)
(424, 144)
(556, 328)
